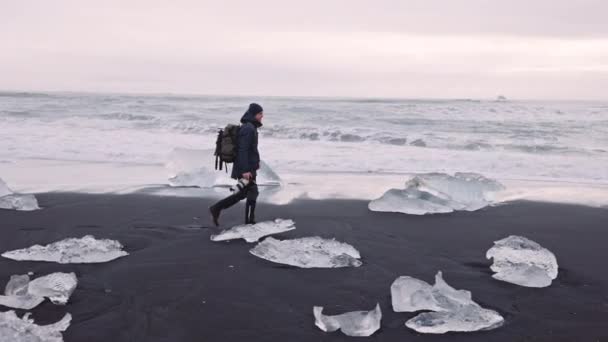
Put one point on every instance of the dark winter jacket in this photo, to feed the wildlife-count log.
(248, 156)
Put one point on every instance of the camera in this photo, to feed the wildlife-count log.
(240, 185)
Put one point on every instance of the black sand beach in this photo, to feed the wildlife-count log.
(177, 285)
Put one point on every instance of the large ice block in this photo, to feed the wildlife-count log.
(521, 261)
(433, 193)
(191, 167)
(71, 251)
(308, 252)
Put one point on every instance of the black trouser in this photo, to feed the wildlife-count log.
(250, 192)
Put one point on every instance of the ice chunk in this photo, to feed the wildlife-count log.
(58, 287)
(4, 189)
(410, 294)
(308, 252)
(467, 318)
(17, 285)
(25, 302)
(15, 329)
(16, 294)
(447, 297)
(20, 293)
(529, 276)
(253, 232)
(524, 262)
(410, 201)
(267, 176)
(356, 323)
(454, 310)
(19, 202)
(71, 251)
(433, 193)
(13, 201)
(191, 167)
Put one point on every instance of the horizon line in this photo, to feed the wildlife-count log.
(335, 97)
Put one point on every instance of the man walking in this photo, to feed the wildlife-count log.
(245, 166)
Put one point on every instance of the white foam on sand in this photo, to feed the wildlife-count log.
(453, 310)
(21, 293)
(13, 201)
(71, 251)
(308, 252)
(254, 232)
(15, 329)
(433, 193)
(297, 182)
(355, 323)
(523, 262)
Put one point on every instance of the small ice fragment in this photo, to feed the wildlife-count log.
(58, 287)
(523, 262)
(308, 252)
(447, 297)
(432, 193)
(410, 294)
(466, 319)
(71, 251)
(254, 232)
(20, 293)
(356, 323)
(15, 329)
(453, 310)
(16, 294)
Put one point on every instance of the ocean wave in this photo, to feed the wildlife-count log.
(22, 94)
(477, 146)
(18, 113)
(330, 134)
(128, 117)
(536, 148)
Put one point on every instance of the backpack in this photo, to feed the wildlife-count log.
(226, 146)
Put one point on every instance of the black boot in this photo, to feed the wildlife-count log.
(250, 213)
(215, 215)
(225, 203)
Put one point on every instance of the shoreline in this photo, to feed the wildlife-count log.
(125, 178)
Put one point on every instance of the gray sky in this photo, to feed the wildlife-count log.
(393, 48)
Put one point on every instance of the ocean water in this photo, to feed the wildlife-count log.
(43, 135)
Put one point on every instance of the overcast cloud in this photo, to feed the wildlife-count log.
(441, 49)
